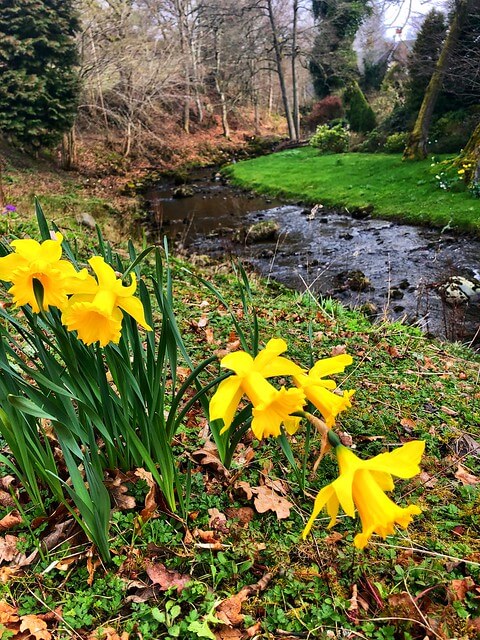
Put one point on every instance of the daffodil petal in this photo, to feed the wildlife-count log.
(327, 366)
(326, 495)
(240, 362)
(225, 401)
(402, 462)
(134, 307)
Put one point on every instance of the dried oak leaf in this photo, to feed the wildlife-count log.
(150, 499)
(458, 589)
(35, 626)
(229, 610)
(228, 634)
(465, 477)
(8, 614)
(245, 488)
(268, 500)
(12, 519)
(8, 548)
(208, 457)
(217, 520)
(118, 492)
(167, 578)
(338, 350)
(107, 633)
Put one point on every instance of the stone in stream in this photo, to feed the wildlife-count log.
(183, 192)
(262, 231)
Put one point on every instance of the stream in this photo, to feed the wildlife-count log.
(389, 269)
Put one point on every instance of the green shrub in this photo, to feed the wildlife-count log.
(373, 142)
(396, 143)
(330, 140)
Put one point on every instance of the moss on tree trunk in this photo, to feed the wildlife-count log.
(416, 148)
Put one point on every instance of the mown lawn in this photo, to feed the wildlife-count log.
(404, 191)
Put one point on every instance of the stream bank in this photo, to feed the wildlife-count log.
(386, 269)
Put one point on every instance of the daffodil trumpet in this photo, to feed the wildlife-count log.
(361, 487)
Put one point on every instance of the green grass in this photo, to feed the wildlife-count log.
(406, 191)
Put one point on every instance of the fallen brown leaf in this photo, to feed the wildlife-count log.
(107, 633)
(268, 500)
(150, 499)
(465, 477)
(11, 520)
(118, 492)
(229, 610)
(458, 589)
(35, 626)
(166, 578)
(228, 634)
(8, 613)
(217, 520)
(243, 486)
(8, 548)
(338, 350)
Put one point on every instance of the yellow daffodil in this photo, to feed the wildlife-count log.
(318, 390)
(95, 309)
(362, 484)
(271, 407)
(32, 260)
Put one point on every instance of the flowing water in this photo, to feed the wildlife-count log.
(393, 269)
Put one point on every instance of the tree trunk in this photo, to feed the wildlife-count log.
(296, 112)
(416, 148)
(127, 145)
(469, 158)
(69, 150)
(281, 75)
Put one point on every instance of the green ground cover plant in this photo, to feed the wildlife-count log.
(406, 191)
(232, 562)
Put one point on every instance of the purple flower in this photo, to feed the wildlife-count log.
(10, 208)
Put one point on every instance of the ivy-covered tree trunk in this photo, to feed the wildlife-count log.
(416, 148)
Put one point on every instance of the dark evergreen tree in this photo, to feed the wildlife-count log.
(359, 113)
(333, 61)
(423, 58)
(38, 81)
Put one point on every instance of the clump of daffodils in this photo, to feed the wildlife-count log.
(91, 306)
(361, 484)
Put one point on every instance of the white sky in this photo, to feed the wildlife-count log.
(405, 13)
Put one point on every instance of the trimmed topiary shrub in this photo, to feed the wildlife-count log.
(330, 139)
(359, 113)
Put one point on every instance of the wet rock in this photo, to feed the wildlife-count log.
(323, 219)
(86, 220)
(404, 284)
(346, 236)
(262, 231)
(355, 280)
(398, 308)
(266, 254)
(183, 192)
(361, 213)
(459, 290)
(369, 309)
(395, 293)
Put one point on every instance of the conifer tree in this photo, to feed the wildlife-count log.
(423, 58)
(38, 81)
